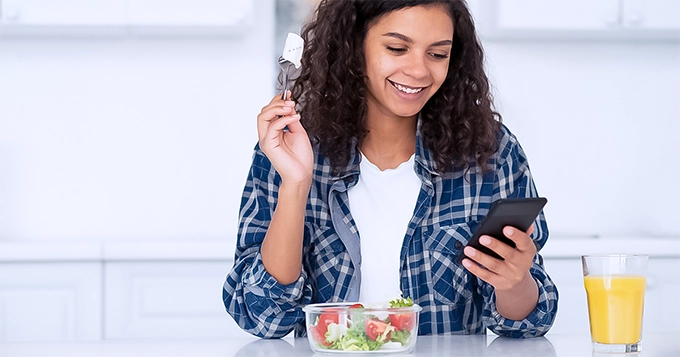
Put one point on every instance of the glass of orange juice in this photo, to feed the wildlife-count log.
(615, 286)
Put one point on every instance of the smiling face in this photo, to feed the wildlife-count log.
(407, 58)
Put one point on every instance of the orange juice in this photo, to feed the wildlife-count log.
(615, 305)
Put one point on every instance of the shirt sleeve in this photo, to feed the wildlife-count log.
(258, 303)
(514, 180)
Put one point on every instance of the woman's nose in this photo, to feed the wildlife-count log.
(416, 67)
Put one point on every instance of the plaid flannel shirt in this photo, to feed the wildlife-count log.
(449, 208)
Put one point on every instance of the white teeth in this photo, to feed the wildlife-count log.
(407, 90)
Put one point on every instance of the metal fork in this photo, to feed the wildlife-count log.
(285, 67)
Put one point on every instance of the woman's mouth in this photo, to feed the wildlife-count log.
(406, 89)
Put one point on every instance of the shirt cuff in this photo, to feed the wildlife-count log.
(260, 285)
(538, 322)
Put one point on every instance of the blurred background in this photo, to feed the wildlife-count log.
(127, 129)
(127, 122)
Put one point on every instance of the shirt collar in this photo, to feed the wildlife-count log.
(423, 155)
(352, 168)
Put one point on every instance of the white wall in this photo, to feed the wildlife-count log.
(127, 137)
(600, 122)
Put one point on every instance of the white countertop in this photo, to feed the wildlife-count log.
(223, 250)
(653, 345)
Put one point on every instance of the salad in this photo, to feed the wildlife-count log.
(357, 328)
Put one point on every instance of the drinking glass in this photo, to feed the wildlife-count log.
(615, 286)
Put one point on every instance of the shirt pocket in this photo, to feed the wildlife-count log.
(328, 259)
(451, 284)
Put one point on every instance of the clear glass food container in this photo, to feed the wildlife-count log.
(353, 328)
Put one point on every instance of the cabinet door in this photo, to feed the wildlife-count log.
(652, 14)
(572, 308)
(63, 12)
(50, 301)
(557, 14)
(167, 300)
(189, 12)
(662, 311)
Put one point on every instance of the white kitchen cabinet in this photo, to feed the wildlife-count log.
(178, 299)
(188, 12)
(661, 313)
(552, 14)
(651, 14)
(133, 17)
(63, 12)
(50, 301)
(44, 17)
(657, 20)
(173, 289)
(572, 311)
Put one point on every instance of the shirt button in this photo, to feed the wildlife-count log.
(458, 245)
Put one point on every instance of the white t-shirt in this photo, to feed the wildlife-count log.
(382, 204)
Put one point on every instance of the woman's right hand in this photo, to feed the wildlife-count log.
(289, 151)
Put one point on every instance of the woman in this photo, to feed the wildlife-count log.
(379, 181)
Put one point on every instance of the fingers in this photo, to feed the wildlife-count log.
(275, 128)
(277, 107)
(494, 271)
(523, 241)
(502, 274)
(487, 275)
(280, 123)
(489, 269)
(274, 111)
(523, 244)
(295, 126)
(487, 261)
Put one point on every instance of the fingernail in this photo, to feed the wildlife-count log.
(290, 103)
(485, 240)
(467, 263)
(470, 252)
(296, 116)
(508, 231)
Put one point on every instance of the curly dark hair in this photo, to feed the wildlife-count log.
(458, 124)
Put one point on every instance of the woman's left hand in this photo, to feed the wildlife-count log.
(508, 273)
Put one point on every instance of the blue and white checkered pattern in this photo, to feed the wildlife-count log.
(448, 210)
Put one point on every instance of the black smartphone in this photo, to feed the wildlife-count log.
(516, 212)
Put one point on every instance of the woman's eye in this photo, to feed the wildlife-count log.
(440, 56)
(396, 49)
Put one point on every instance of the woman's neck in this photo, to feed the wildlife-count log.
(390, 141)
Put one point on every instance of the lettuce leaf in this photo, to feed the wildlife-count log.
(401, 302)
(401, 336)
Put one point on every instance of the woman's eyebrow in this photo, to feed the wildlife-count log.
(399, 36)
(405, 38)
(442, 43)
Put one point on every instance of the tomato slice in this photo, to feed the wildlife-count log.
(403, 321)
(318, 331)
(375, 328)
(318, 337)
(356, 306)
